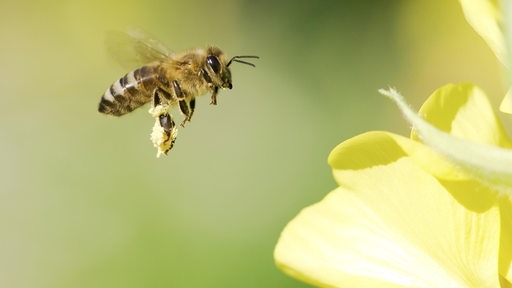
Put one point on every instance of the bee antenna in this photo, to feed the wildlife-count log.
(237, 59)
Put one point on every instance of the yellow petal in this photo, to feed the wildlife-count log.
(346, 158)
(371, 142)
(506, 241)
(486, 163)
(485, 17)
(390, 224)
(506, 103)
(464, 111)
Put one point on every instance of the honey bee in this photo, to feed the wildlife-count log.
(166, 78)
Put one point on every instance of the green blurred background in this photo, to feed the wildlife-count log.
(85, 203)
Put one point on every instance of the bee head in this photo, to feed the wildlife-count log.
(217, 67)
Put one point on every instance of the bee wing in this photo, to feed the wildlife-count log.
(134, 48)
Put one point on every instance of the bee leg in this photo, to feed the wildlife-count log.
(184, 108)
(215, 89)
(177, 89)
(192, 105)
(213, 100)
(206, 77)
(159, 95)
(164, 142)
(166, 123)
(208, 80)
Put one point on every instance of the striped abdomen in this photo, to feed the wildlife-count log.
(133, 90)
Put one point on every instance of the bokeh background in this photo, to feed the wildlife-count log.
(85, 203)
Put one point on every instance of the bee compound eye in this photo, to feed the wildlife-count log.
(214, 63)
(166, 122)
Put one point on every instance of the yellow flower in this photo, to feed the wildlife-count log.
(407, 214)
